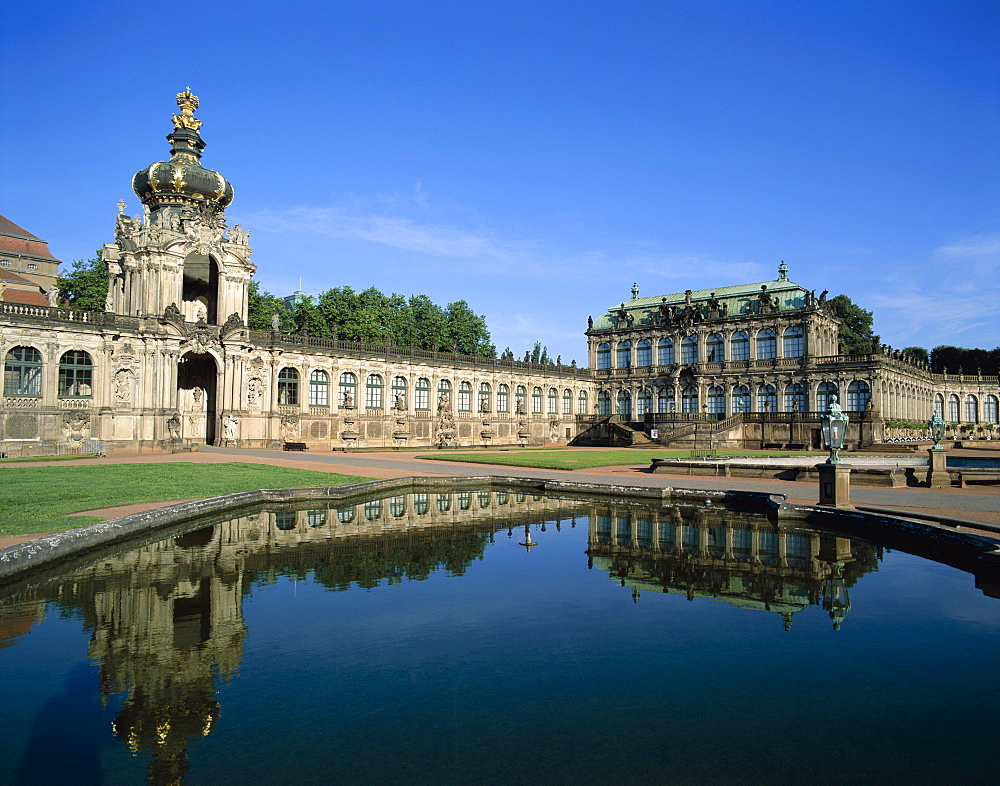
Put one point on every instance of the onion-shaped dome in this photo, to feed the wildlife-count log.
(183, 180)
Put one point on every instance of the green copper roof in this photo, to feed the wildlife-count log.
(740, 299)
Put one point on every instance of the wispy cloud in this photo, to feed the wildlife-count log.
(951, 297)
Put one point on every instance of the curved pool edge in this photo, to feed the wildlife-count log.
(47, 551)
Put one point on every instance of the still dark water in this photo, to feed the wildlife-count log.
(412, 640)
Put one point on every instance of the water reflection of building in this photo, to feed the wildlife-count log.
(166, 618)
(743, 559)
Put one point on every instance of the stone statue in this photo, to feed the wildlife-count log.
(174, 427)
(822, 296)
(764, 298)
(53, 296)
(590, 323)
(635, 291)
(348, 401)
(275, 322)
(3, 288)
(400, 405)
(121, 206)
(229, 425)
(123, 386)
(197, 394)
(687, 297)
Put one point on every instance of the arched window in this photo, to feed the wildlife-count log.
(485, 394)
(644, 353)
(464, 397)
(520, 399)
(823, 394)
(739, 346)
(345, 515)
(399, 391)
(767, 344)
(567, 408)
(319, 389)
(373, 392)
(792, 345)
(581, 403)
(715, 349)
(689, 349)
(373, 509)
(288, 387)
(347, 393)
(741, 399)
(316, 518)
(971, 409)
(665, 352)
(443, 503)
(990, 409)
(689, 399)
(767, 399)
(536, 401)
(76, 374)
(422, 394)
(665, 400)
(503, 399)
(795, 397)
(623, 355)
(716, 401)
(552, 402)
(604, 356)
(22, 372)
(444, 393)
(604, 403)
(859, 393)
(421, 504)
(953, 408)
(644, 401)
(624, 403)
(284, 520)
(397, 506)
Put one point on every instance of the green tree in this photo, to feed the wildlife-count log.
(467, 331)
(970, 361)
(309, 319)
(431, 324)
(85, 286)
(856, 335)
(262, 306)
(917, 353)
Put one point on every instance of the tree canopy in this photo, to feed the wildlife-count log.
(374, 317)
(85, 286)
(856, 334)
(954, 360)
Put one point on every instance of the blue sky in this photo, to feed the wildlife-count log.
(536, 158)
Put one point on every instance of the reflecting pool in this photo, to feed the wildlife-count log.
(414, 639)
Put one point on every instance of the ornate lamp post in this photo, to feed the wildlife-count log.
(834, 425)
(834, 474)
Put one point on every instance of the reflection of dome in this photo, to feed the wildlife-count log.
(183, 180)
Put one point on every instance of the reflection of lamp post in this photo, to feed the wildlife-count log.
(834, 475)
(834, 424)
(937, 473)
(835, 599)
(528, 542)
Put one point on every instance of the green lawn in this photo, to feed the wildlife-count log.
(37, 499)
(584, 459)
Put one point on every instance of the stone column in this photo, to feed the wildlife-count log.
(835, 485)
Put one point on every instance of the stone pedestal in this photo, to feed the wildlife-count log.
(835, 485)
(937, 472)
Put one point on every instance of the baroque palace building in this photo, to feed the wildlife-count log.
(757, 364)
(171, 362)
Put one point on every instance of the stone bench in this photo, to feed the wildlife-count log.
(966, 474)
(295, 446)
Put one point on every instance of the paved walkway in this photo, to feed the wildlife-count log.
(976, 503)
